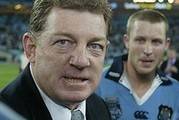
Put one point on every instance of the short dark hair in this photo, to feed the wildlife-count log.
(41, 9)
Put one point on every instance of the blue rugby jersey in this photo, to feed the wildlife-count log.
(163, 104)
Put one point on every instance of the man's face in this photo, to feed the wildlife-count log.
(68, 59)
(146, 44)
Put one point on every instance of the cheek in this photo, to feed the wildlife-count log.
(135, 50)
(159, 53)
(98, 67)
(99, 71)
(50, 64)
(100, 62)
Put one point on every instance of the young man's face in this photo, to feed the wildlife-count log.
(68, 60)
(146, 45)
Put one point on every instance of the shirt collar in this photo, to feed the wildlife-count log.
(155, 84)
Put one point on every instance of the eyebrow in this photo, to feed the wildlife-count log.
(98, 38)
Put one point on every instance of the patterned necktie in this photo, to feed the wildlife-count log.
(77, 115)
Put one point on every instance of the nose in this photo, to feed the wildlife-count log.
(148, 49)
(80, 59)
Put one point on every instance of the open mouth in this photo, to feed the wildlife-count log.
(75, 80)
(146, 62)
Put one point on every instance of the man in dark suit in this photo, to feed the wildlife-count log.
(66, 48)
(170, 66)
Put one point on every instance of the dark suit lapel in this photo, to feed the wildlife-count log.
(90, 111)
(32, 97)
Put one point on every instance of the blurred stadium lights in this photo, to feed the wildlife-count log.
(170, 1)
(171, 5)
(147, 1)
(113, 5)
(18, 7)
(10, 2)
(24, 6)
(152, 1)
(15, 6)
(157, 5)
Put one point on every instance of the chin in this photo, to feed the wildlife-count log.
(78, 97)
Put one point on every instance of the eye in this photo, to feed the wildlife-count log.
(96, 47)
(63, 43)
(156, 42)
(140, 40)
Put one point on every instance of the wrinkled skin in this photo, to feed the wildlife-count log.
(68, 58)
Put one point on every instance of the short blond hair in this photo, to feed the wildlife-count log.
(148, 15)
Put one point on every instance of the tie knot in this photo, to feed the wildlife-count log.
(77, 115)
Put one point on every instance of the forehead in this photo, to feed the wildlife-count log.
(64, 18)
(146, 27)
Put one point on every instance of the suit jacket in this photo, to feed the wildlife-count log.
(23, 96)
(173, 74)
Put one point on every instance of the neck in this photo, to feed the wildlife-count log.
(140, 83)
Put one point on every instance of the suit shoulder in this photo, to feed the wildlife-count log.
(97, 108)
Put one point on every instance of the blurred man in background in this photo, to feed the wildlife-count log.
(170, 66)
(133, 86)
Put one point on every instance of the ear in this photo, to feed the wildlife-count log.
(168, 40)
(29, 45)
(126, 41)
(108, 43)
